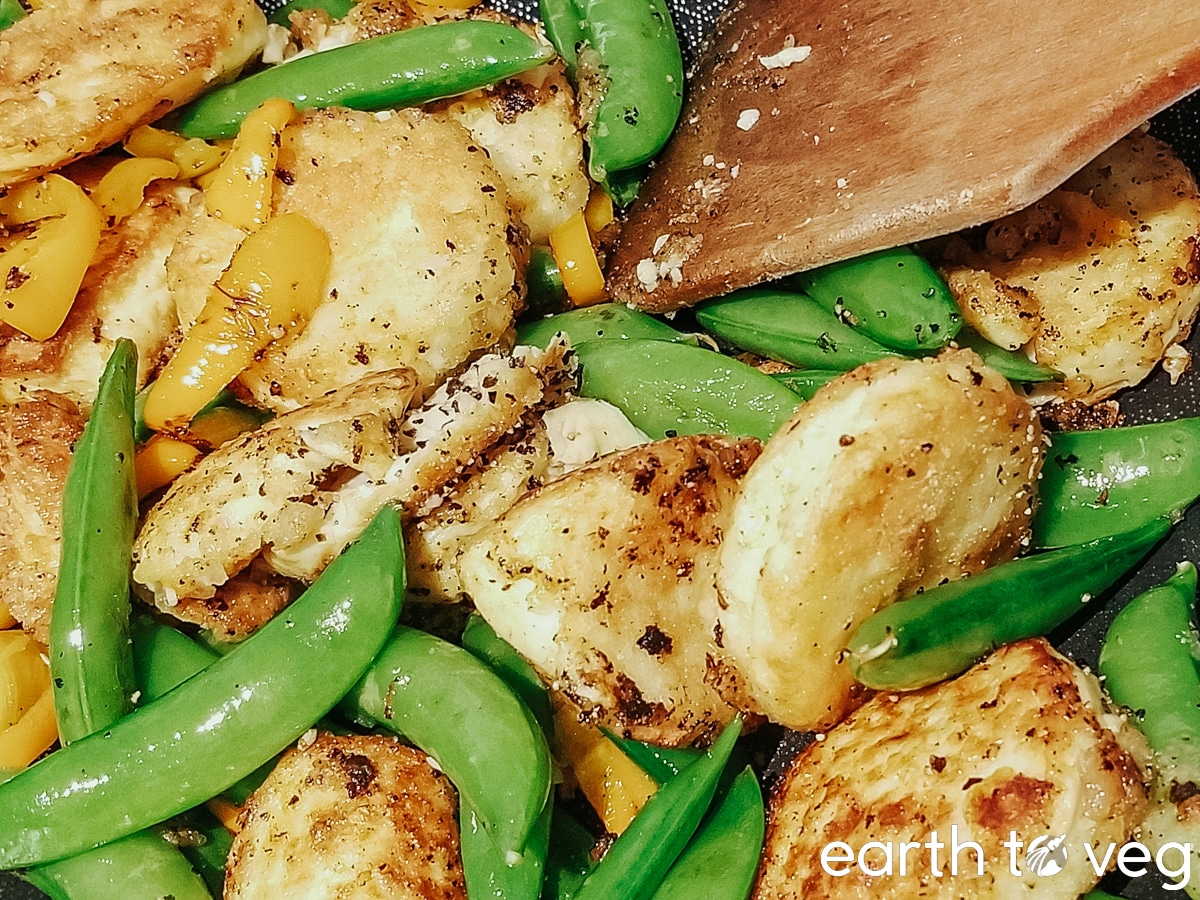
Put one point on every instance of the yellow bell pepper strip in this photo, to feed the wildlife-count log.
(43, 268)
(6, 618)
(240, 191)
(599, 211)
(193, 155)
(273, 284)
(24, 676)
(22, 743)
(120, 191)
(577, 262)
(161, 461)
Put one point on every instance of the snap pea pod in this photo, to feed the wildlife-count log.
(210, 854)
(425, 689)
(1097, 894)
(722, 858)
(1013, 365)
(675, 389)
(545, 291)
(90, 664)
(893, 296)
(1149, 663)
(491, 871)
(481, 641)
(1101, 482)
(164, 658)
(403, 68)
(631, 75)
(788, 327)
(225, 399)
(335, 8)
(11, 12)
(143, 866)
(947, 629)
(560, 18)
(660, 763)
(605, 321)
(570, 859)
(200, 738)
(638, 860)
(806, 382)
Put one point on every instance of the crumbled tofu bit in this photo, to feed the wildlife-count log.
(276, 48)
(720, 165)
(1176, 361)
(647, 274)
(733, 173)
(841, 183)
(660, 242)
(789, 55)
(383, 115)
(709, 159)
(747, 119)
(307, 739)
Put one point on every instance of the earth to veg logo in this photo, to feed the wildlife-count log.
(1046, 855)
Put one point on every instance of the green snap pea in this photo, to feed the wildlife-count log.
(630, 75)
(893, 296)
(1149, 663)
(164, 658)
(561, 18)
(491, 871)
(11, 12)
(660, 763)
(605, 321)
(570, 859)
(90, 663)
(143, 866)
(806, 382)
(674, 389)
(430, 691)
(1097, 894)
(208, 852)
(224, 400)
(403, 68)
(1013, 365)
(197, 740)
(638, 860)
(788, 327)
(722, 859)
(545, 292)
(946, 630)
(1101, 482)
(481, 641)
(623, 187)
(336, 9)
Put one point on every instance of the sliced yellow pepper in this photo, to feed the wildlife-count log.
(273, 284)
(22, 743)
(226, 813)
(599, 211)
(54, 230)
(240, 189)
(160, 461)
(614, 785)
(577, 262)
(193, 156)
(122, 188)
(6, 617)
(24, 675)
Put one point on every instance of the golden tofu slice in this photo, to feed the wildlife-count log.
(348, 818)
(36, 439)
(78, 75)
(897, 476)
(425, 270)
(1021, 745)
(1099, 280)
(605, 580)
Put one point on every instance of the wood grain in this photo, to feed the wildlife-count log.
(910, 118)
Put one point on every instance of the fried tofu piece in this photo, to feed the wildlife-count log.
(124, 294)
(1100, 279)
(425, 271)
(1020, 743)
(897, 476)
(36, 439)
(605, 580)
(349, 818)
(77, 76)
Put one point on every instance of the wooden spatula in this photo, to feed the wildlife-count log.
(906, 120)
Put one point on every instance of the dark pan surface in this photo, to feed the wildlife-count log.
(1153, 401)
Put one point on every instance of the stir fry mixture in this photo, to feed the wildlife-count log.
(352, 545)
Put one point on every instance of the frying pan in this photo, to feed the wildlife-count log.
(1153, 401)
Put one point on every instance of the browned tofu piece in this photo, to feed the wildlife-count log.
(36, 438)
(78, 75)
(1022, 743)
(349, 818)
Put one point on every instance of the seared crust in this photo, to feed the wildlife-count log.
(1021, 743)
(36, 439)
(349, 818)
(77, 75)
(895, 477)
(605, 580)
